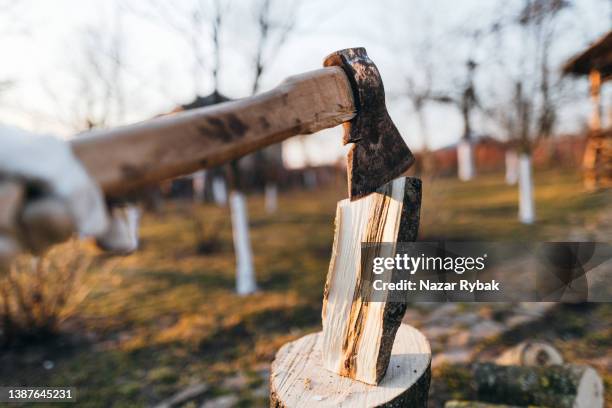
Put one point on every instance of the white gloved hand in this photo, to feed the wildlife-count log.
(45, 194)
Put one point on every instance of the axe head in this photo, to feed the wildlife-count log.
(379, 153)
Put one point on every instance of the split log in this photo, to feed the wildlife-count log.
(358, 333)
(559, 386)
(298, 378)
(478, 404)
(529, 353)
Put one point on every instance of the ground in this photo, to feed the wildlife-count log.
(167, 317)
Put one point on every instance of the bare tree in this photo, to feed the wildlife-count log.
(417, 53)
(96, 97)
(465, 101)
(275, 21)
(528, 111)
(190, 24)
(100, 79)
(198, 24)
(274, 26)
(419, 96)
(11, 23)
(419, 92)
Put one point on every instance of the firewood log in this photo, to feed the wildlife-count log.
(559, 386)
(530, 354)
(358, 330)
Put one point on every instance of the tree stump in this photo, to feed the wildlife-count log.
(298, 378)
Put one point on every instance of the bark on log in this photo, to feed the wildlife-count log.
(529, 353)
(559, 386)
(358, 332)
(298, 378)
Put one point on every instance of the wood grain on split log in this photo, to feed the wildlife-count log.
(530, 354)
(559, 386)
(358, 333)
(298, 378)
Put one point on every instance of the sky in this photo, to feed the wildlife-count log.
(43, 50)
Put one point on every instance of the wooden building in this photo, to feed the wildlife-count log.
(596, 63)
(489, 155)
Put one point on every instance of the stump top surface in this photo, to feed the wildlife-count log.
(298, 378)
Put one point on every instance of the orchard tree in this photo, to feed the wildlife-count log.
(527, 110)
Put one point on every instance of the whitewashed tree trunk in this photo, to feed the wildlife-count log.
(199, 182)
(245, 272)
(465, 160)
(219, 191)
(511, 167)
(526, 198)
(271, 198)
(122, 235)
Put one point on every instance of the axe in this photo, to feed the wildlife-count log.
(348, 91)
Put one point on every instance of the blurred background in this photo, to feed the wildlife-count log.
(505, 105)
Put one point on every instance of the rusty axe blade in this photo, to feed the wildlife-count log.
(379, 153)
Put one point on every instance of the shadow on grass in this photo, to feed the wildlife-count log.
(493, 211)
(565, 321)
(229, 340)
(174, 278)
(283, 219)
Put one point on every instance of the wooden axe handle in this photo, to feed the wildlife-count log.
(128, 157)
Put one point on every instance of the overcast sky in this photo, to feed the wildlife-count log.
(41, 46)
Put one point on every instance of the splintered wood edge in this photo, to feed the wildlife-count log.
(408, 232)
(298, 378)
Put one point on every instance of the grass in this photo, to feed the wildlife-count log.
(486, 209)
(168, 315)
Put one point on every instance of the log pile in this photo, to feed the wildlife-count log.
(559, 386)
(530, 374)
